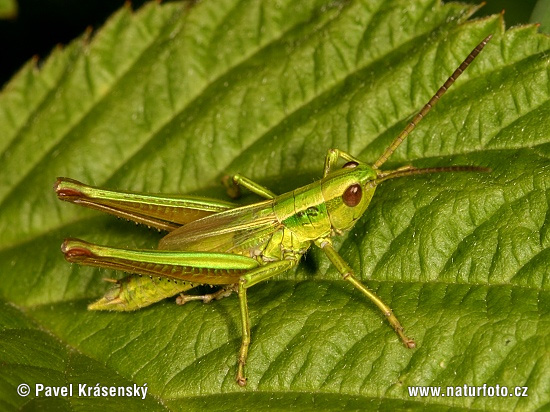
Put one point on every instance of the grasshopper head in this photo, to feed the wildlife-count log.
(347, 193)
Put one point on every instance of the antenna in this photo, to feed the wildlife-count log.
(428, 106)
(410, 171)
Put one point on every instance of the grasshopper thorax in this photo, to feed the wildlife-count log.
(347, 193)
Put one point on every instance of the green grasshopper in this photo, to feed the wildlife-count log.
(218, 243)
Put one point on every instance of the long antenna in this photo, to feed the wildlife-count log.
(435, 98)
(414, 171)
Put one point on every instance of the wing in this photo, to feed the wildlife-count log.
(241, 230)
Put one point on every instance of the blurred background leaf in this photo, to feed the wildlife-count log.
(541, 14)
(8, 9)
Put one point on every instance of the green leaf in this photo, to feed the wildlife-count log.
(171, 97)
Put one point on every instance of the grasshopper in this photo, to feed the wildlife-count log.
(211, 242)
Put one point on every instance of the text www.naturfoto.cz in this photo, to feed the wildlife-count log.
(466, 390)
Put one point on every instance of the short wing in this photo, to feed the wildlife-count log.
(164, 212)
(239, 230)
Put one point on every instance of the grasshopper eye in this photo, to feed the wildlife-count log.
(352, 195)
(350, 165)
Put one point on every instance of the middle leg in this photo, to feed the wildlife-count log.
(250, 279)
(232, 184)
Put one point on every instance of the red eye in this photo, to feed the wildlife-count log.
(352, 195)
(350, 165)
